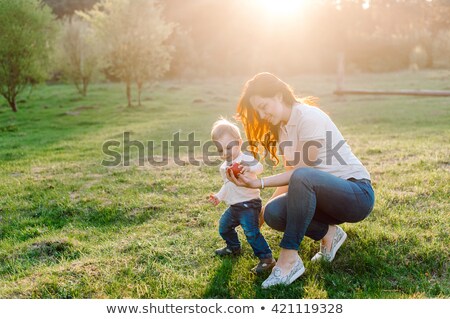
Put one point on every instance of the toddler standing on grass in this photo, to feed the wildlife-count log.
(244, 203)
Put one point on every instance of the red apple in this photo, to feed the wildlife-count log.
(235, 169)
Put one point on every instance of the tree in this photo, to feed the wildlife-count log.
(27, 30)
(78, 54)
(134, 35)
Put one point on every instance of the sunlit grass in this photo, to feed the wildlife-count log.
(71, 228)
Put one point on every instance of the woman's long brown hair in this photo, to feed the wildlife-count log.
(257, 130)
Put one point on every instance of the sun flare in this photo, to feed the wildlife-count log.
(281, 8)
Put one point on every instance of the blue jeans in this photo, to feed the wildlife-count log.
(314, 201)
(245, 214)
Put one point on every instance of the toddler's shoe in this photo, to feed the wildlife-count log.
(228, 251)
(265, 264)
(338, 240)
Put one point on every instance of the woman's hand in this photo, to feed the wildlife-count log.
(243, 180)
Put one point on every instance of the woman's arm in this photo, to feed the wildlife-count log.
(282, 189)
(279, 191)
(280, 180)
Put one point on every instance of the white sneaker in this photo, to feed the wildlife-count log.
(338, 240)
(275, 277)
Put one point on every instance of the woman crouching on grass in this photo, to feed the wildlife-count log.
(324, 184)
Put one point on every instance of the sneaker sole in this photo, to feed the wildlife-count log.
(300, 272)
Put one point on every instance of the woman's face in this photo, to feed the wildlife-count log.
(271, 109)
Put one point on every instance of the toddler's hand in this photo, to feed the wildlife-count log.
(213, 200)
(244, 168)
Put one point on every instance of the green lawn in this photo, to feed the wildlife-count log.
(72, 228)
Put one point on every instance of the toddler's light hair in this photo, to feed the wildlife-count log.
(223, 126)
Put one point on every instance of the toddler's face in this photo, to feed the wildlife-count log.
(228, 147)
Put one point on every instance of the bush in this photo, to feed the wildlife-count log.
(27, 31)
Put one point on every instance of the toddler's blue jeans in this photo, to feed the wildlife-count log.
(245, 214)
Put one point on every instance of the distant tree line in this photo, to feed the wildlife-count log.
(126, 38)
(232, 37)
(138, 42)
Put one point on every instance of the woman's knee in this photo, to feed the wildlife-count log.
(357, 217)
(273, 217)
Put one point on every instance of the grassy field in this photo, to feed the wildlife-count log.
(72, 228)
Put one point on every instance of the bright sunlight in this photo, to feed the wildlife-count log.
(281, 8)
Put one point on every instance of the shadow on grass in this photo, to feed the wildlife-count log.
(382, 268)
(27, 226)
(219, 284)
(371, 268)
